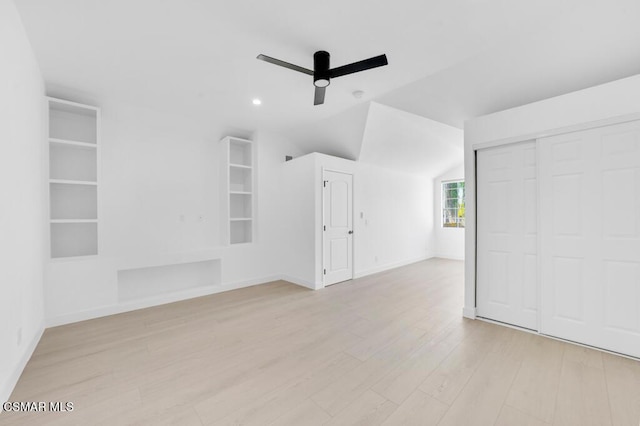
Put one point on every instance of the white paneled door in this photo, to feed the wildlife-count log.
(337, 227)
(507, 239)
(590, 237)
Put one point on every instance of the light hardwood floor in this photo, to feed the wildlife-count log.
(388, 349)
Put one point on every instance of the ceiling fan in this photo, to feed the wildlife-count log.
(322, 74)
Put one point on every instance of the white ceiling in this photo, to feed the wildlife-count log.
(386, 137)
(402, 141)
(448, 60)
(594, 44)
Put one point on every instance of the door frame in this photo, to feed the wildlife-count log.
(353, 236)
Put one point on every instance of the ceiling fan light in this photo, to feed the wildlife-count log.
(321, 82)
(322, 71)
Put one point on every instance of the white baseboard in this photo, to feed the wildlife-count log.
(469, 313)
(133, 305)
(162, 299)
(299, 281)
(449, 256)
(386, 267)
(12, 380)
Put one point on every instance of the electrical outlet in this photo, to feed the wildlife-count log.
(19, 336)
(181, 218)
(200, 218)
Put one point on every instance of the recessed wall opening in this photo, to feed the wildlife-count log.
(142, 283)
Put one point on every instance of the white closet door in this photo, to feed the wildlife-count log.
(507, 239)
(590, 237)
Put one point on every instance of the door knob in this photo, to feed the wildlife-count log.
(350, 232)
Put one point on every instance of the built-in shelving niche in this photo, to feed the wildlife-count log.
(73, 178)
(238, 189)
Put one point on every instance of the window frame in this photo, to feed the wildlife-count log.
(460, 222)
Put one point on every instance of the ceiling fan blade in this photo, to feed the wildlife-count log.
(318, 98)
(367, 64)
(284, 64)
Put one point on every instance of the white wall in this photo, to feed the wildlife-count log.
(156, 170)
(398, 223)
(393, 217)
(160, 174)
(22, 232)
(618, 100)
(263, 260)
(298, 216)
(159, 203)
(449, 241)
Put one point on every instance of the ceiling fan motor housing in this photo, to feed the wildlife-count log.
(321, 68)
(322, 72)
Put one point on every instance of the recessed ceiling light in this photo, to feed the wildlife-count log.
(257, 101)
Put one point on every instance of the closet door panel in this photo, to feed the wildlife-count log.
(590, 241)
(507, 234)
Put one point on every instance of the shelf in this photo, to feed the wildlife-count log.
(72, 122)
(240, 231)
(240, 205)
(63, 103)
(74, 239)
(150, 260)
(62, 259)
(74, 220)
(240, 180)
(73, 202)
(240, 152)
(240, 218)
(240, 166)
(73, 163)
(73, 182)
(239, 193)
(55, 141)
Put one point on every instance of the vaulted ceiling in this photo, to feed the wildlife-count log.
(448, 60)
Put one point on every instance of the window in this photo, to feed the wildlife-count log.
(453, 204)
